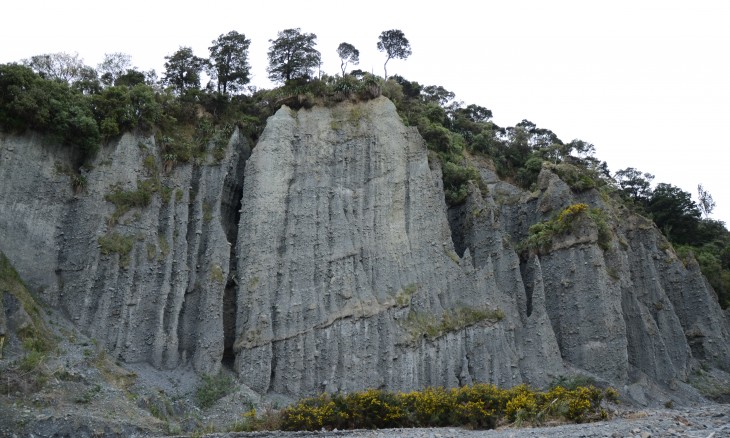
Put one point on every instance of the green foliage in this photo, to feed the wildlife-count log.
(146, 110)
(396, 46)
(253, 421)
(573, 382)
(437, 137)
(437, 94)
(579, 178)
(527, 175)
(117, 243)
(212, 389)
(182, 70)
(604, 231)
(112, 107)
(229, 62)
(66, 114)
(423, 324)
(292, 56)
(113, 66)
(207, 212)
(125, 200)
(216, 274)
(634, 185)
(150, 165)
(28, 101)
(455, 178)
(479, 406)
(348, 54)
(326, 91)
(132, 78)
(403, 297)
(541, 235)
(674, 212)
(165, 194)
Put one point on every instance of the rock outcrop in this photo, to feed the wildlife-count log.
(148, 284)
(328, 261)
(347, 269)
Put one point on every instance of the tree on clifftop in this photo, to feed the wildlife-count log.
(229, 61)
(347, 53)
(114, 66)
(395, 44)
(707, 204)
(674, 212)
(292, 55)
(63, 66)
(182, 70)
(635, 185)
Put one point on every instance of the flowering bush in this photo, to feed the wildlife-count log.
(479, 406)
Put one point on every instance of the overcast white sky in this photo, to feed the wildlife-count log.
(645, 81)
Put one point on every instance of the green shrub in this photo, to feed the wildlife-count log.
(78, 182)
(150, 165)
(117, 243)
(604, 231)
(578, 178)
(216, 274)
(527, 175)
(572, 382)
(540, 235)
(212, 389)
(420, 324)
(125, 200)
(165, 194)
(456, 178)
(437, 137)
(207, 212)
(403, 296)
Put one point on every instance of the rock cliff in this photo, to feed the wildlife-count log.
(149, 283)
(325, 259)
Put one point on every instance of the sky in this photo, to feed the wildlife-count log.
(645, 81)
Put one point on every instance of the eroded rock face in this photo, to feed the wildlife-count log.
(33, 197)
(619, 311)
(343, 243)
(162, 302)
(328, 261)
